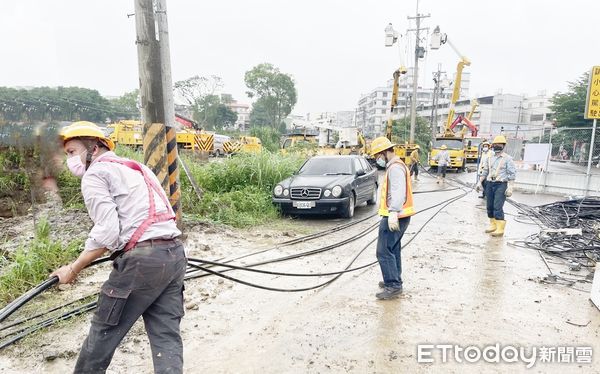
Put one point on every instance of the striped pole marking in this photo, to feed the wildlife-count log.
(155, 152)
(173, 169)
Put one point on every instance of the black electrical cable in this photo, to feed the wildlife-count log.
(23, 299)
(47, 323)
(205, 269)
(338, 273)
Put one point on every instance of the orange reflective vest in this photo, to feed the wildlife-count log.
(408, 208)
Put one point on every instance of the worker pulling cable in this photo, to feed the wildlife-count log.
(135, 222)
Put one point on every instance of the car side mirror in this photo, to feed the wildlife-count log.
(360, 173)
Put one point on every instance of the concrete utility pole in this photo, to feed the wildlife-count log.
(437, 77)
(156, 94)
(149, 64)
(165, 62)
(419, 52)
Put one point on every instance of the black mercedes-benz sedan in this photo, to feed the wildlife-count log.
(328, 185)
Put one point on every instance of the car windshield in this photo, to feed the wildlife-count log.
(327, 166)
(450, 143)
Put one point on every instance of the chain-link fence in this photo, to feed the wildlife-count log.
(567, 168)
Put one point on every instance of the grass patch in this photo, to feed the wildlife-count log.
(237, 191)
(32, 263)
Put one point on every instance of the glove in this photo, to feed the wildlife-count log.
(478, 187)
(393, 224)
(509, 190)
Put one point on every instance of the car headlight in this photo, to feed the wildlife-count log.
(278, 190)
(286, 192)
(327, 193)
(336, 191)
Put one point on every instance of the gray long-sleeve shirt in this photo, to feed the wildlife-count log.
(396, 193)
(442, 158)
(499, 167)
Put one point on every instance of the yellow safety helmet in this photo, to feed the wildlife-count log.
(381, 144)
(500, 139)
(485, 142)
(85, 129)
(417, 146)
(444, 146)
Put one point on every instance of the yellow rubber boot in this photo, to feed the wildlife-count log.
(499, 228)
(492, 227)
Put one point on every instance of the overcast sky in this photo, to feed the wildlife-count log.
(334, 49)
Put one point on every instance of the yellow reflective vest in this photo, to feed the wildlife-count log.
(408, 207)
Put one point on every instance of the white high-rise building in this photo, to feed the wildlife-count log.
(374, 108)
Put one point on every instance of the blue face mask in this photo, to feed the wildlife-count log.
(381, 162)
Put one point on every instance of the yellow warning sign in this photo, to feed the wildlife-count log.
(592, 105)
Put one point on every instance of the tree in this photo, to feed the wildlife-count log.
(401, 130)
(259, 116)
(569, 107)
(195, 88)
(127, 103)
(275, 90)
(213, 114)
(57, 104)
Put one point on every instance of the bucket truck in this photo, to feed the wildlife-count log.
(453, 141)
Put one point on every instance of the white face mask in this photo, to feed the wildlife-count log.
(75, 165)
(381, 162)
(485, 149)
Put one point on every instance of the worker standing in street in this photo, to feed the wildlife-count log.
(134, 221)
(395, 208)
(414, 162)
(483, 159)
(499, 173)
(443, 159)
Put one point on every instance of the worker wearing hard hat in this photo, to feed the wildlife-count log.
(134, 221)
(486, 152)
(443, 160)
(499, 174)
(414, 162)
(395, 208)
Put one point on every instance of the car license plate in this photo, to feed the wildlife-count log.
(303, 204)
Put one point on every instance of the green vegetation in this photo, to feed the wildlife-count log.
(61, 104)
(568, 107)
(275, 94)
(12, 177)
(401, 132)
(32, 263)
(237, 191)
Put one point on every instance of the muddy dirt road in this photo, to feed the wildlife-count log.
(462, 287)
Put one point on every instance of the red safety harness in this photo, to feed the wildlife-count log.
(153, 217)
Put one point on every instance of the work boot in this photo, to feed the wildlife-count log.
(500, 224)
(438, 180)
(492, 227)
(388, 293)
(416, 179)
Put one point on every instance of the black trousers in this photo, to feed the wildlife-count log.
(414, 169)
(148, 282)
